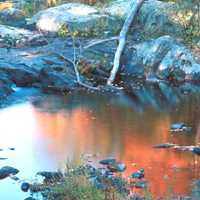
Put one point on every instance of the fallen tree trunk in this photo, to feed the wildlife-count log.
(122, 38)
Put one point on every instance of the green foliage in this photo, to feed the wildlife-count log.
(190, 10)
(76, 186)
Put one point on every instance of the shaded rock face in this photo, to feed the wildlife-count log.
(18, 37)
(5, 86)
(78, 17)
(164, 58)
(21, 75)
(57, 80)
(156, 18)
(12, 16)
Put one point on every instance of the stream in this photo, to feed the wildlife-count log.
(44, 132)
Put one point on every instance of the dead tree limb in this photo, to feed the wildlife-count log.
(93, 43)
(136, 5)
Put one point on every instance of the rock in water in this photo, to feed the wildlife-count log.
(180, 126)
(117, 167)
(196, 150)
(25, 187)
(138, 174)
(164, 146)
(7, 171)
(108, 161)
(140, 184)
(51, 176)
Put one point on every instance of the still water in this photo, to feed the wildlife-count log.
(47, 131)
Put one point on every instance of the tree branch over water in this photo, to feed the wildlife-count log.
(122, 38)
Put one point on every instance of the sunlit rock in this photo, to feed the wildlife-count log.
(77, 17)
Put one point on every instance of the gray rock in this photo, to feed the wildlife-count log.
(25, 186)
(196, 150)
(19, 37)
(51, 176)
(108, 161)
(12, 17)
(7, 171)
(56, 81)
(138, 174)
(156, 17)
(140, 184)
(20, 74)
(117, 167)
(180, 126)
(164, 146)
(165, 58)
(78, 17)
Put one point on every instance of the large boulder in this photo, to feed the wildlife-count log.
(5, 86)
(57, 79)
(18, 37)
(156, 17)
(19, 74)
(12, 16)
(76, 16)
(165, 58)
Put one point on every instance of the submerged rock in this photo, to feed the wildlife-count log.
(138, 174)
(7, 171)
(164, 146)
(196, 150)
(140, 184)
(117, 167)
(180, 126)
(108, 161)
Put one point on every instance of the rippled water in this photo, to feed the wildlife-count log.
(49, 131)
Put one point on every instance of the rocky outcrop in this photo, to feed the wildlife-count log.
(12, 17)
(57, 80)
(165, 58)
(156, 17)
(18, 37)
(21, 75)
(77, 17)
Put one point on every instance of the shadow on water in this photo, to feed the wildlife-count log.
(48, 130)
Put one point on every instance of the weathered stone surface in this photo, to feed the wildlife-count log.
(156, 17)
(12, 16)
(5, 86)
(77, 17)
(165, 58)
(18, 37)
(57, 81)
(19, 74)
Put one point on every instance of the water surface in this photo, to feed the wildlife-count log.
(49, 131)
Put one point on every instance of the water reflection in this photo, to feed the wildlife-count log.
(53, 130)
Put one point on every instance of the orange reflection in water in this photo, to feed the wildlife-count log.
(113, 131)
